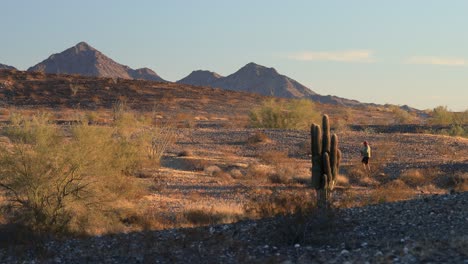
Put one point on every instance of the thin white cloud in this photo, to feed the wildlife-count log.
(340, 56)
(433, 60)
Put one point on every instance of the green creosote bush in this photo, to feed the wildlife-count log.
(441, 116)
(51, 177)
(402, 116)
(290, 114)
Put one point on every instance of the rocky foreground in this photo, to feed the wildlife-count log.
(430, 229)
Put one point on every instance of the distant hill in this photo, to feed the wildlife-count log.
(85, 60)
(6, 67)
(262, 80)
(201, 78)
(252, 78)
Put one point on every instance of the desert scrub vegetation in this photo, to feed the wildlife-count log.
(66, 180)
(455, 121)
(284, 114)
(402, 116)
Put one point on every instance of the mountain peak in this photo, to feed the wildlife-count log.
(85, 60)
(83, 46)
(258, 69)
(200, 78)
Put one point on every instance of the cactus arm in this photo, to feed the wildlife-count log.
(326, 134)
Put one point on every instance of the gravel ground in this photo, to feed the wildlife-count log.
(431, 229)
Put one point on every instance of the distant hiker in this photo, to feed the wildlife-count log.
(366, 154)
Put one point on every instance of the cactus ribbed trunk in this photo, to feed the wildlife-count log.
(326, 158)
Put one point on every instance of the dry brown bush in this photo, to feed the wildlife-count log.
(415, 178)
(212, 170)
(342, 180)
(284, 173)
(382, 153)
(270, 203)
(357, 176)
(222, 175)
(393, 191)
(258, 172)
(196, 164)
(274, 157)
(236, 173)
(258, 137)
(216, 214)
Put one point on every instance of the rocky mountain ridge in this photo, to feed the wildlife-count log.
(6, 67)
(262, 80)
(85, 60)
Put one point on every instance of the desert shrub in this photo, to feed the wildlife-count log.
(212, 170)
(382, 154)
(358, 176)
(273, 203)
(283, 168)
(342, 180)
(158, 139)
(441, 116)
(291, 114)
(401, 116)
(258, 137)
(216, 214)
(416, 178)
(258, 172)
(461, 118)
(393, 191)
(196, 164)
(274, 157)
(457, 131)
(46, 174)
(236, 173)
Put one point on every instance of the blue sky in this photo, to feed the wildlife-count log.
(399, 52)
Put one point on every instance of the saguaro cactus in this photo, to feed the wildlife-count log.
(325, 160)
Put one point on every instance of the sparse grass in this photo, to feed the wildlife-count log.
(417, 178)
(393, 191)
(258, 172)
(357, 176)
(215, 214)
(283, 169)
(274, 157)
(266, 203)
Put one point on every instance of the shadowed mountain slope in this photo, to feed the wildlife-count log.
(6, 67)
